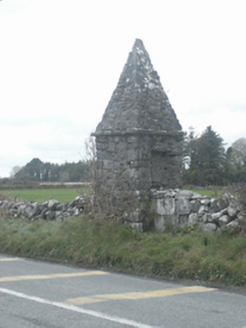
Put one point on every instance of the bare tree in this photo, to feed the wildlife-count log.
(113, 195)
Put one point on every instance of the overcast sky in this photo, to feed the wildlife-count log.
(60, 61)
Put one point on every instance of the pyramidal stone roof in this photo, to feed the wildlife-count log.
(139, 103)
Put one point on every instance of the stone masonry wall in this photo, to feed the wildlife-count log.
(50, 210)
(139, 139)
(180, 208)
(184, 208)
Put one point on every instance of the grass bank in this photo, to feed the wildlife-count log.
(98, 243)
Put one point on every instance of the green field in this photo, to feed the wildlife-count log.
(41, 195)
(209, 192)
(64, 195)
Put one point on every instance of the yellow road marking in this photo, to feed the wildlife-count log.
(10, 259)
(100, 315)
(52, 276)
(137, 295)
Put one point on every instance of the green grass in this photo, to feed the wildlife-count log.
(100, 243)
(64, 195)
(41, 195)
(209, 192)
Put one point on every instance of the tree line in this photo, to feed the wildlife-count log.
(36, 170)
(206, 161)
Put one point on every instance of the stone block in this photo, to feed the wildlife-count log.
(192, 219)
(111, 146)
(203, 209)
(138, 226)
(50, 215)
(132, 155)
(132, 139)
(217, 205)
(224, 220)
(182, 220)
(29, 211)
(208, 227)
(182, 206)
(205, 201)
(204, 218)
(159, 223)
(52, 204)
(232, 210)
(165, 206)
(108, 164)
(234, 223)
(195, 206)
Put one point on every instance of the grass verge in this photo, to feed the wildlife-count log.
(99, 243)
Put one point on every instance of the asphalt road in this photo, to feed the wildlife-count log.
(40, 294)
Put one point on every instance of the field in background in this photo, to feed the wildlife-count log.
(215, 193)
(68, 193)
(42, 195)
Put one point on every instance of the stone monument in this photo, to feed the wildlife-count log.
(139, 140)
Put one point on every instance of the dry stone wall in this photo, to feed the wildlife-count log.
(50, 210)
(185, 208)
(180, 208)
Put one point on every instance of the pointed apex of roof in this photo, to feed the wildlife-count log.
(138, 43)
(139, 56)
(139, 102)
